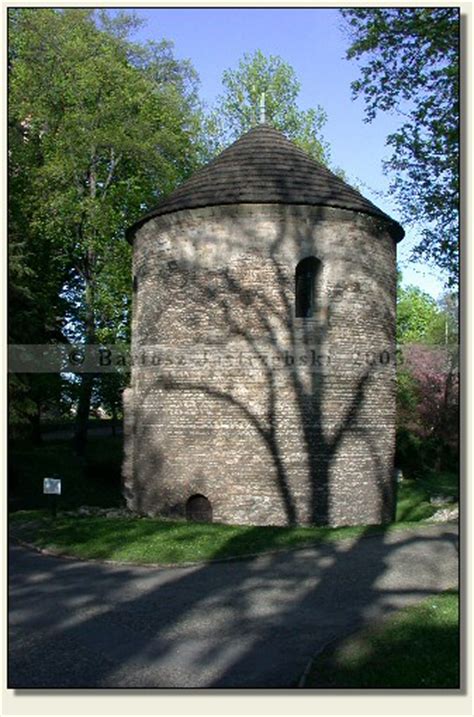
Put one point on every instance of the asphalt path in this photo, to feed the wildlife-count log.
(251, 623)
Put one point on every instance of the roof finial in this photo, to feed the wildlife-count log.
(262, 108)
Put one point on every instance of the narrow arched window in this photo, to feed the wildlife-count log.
(306, 276)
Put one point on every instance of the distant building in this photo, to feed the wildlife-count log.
(267, 287)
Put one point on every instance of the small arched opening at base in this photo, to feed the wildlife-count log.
(199, 509)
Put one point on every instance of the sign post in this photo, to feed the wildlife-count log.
(52, 487)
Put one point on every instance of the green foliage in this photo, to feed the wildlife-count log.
(36, 276)
(417, 315)
(101, 129)
(21, 405)
(113, 130)
(421, 319)
(238, 109)
(445, 326)
(108, 393)
(411, 68)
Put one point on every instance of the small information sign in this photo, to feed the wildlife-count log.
(52, 486)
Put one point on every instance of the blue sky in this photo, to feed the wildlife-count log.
(312, 41)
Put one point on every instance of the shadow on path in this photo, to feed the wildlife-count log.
(246, 623)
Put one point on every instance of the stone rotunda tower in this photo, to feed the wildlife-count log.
(263, 339)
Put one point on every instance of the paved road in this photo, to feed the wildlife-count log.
(247, 623)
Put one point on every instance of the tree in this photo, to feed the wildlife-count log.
(411, 69)
(434, 416)
(238, 109)
(36, 276)
(427, 378)
(422, 319)
(445, 328)
(115, 126)
(417, 315)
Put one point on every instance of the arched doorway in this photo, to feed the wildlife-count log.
(199, 509)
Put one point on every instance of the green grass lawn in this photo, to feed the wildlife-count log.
(153, 540)
(416, 648)
(413, 496)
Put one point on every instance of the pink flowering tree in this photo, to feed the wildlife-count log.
(429, 397)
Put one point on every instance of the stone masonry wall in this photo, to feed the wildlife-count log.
(275, 419)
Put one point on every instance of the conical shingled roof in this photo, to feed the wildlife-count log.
(263, 167)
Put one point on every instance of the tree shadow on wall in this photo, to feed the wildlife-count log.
(246, 308)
